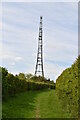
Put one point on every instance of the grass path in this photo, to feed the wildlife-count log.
(49, 106)
(34, 104)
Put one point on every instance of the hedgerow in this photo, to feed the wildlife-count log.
(15, 84)
(67, 88)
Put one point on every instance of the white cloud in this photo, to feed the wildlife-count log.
(6, 55)
(52, 70)
(20, 36)
(13, 63)
(18, 58)
(14, 58)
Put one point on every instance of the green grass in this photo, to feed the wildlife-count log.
(34, 104)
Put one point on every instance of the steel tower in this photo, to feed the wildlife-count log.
(39, 64)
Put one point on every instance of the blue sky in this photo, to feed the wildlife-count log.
(20, 27)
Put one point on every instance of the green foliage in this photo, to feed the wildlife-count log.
(34, 104)
(79, 86)
(15, 84)
(5, 85)
(28, 76)
(39, 79)
(67, 88)
(21, 76)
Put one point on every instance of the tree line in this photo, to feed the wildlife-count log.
(12, 84)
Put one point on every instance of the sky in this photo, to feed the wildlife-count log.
(20, 28)
(40, 1)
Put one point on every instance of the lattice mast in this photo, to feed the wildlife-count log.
(39, 64)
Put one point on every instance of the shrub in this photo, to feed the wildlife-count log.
(16, 84)
(67, 88)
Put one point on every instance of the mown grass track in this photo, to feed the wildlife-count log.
(34, 104)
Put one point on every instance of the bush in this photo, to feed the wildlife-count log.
(67, 88)
(15, 84)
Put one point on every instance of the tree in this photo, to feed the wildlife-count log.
(22, 76)
(4, 73)
(29, 76)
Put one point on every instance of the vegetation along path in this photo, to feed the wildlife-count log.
(34, 104)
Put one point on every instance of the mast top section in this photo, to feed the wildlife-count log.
(40, 17)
